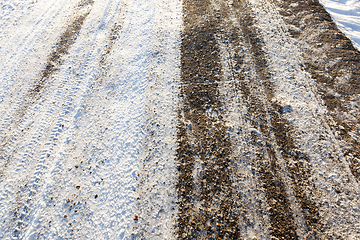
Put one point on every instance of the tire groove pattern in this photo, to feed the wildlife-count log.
(332, 60)
(66, 40)
(296, 161)
(20, 222)
(281, 218)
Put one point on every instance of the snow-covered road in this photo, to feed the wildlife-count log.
(192, 119)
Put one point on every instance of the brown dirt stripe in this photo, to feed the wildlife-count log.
(202, 136)
(67, 39)
(333, 61)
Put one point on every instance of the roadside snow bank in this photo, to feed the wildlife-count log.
(346, 14)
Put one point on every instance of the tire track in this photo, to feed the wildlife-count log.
(24, 52)
(281, 216)
(296, 161)
(16, 98)
(67, 39)
(277, 128)
(206, 202)
(80, 156)
(55, 60)
(310, 133)
(256, 157)
(254, 219)
(333, 61)
(273, 139)
(24, 202)
(109, 131)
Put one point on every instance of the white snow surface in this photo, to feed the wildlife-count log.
(346, 14)
(78, 152)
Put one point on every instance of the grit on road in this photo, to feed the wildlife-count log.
(192, 119)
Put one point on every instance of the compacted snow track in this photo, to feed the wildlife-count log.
(152, 119)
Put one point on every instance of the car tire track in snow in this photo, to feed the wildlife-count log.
(66, 40)
(237, 70)
(10, 128)
(283, 152)
(285, 165)
(273, 126)
(27, 211)
(268, 165)
(310, 132)
(333, 61)
(79, 167)
(205, 189)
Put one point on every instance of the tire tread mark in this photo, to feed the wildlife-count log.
(66, 40)
(282, 221)
(202, 136)
(281, 129)
(321, 33)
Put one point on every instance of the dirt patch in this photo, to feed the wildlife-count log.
(204, 139)
(261, 109)
(206, 205)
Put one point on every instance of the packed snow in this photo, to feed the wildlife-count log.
(346, 14)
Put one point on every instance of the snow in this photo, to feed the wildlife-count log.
(81, 146)
(346, 14)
